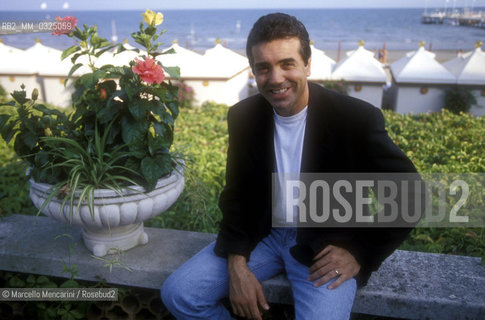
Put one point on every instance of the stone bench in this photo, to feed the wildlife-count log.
(411, 285)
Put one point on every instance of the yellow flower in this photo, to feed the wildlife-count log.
(152, 18)
(48, 132)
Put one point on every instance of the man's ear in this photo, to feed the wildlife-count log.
(308, 67)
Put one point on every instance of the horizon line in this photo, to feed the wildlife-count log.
(239, 8)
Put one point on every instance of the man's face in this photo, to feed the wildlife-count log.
(281, 74)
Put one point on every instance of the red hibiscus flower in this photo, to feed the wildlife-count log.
(64, 25)
(149, 71)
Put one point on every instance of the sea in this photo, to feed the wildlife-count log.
(396, 29)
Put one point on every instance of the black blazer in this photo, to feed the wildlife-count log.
(342, 134)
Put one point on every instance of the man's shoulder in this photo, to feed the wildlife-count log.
(253, 107)
(339, 107)
(337, 102)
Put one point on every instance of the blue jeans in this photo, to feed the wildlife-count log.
(195, 290)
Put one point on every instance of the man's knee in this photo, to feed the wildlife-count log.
(171, 293)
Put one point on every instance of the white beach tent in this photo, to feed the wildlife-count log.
(192, 71)
(469, 70)
(187, 60)
(16, 69)
(364, 74)
(222, 76)
(419, 82)
(321, 65)
(52, 72)
(120, 59)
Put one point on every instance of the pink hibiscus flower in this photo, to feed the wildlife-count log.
(149, 71)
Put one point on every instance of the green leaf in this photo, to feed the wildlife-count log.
(66, 53)
(69, 284)
(133, 132)
(174, 109)
(158, 144)
(71, 72)
(107, 113)
(150, 170)
(29, 139)
(78, 34)
(44, 282)
(100, 52)
(16, 282)
(112, 70)
(138, 109)
(77, 55)
(20, 97)
(170, 51)
(96, 41)
(90, 80)
(130, 87)
(42, 108)
(3, 119)
(41, 158)
(10, 103)
(150, 30)
(174, 72)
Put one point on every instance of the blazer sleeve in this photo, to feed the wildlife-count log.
(372, 245)
(235, 234)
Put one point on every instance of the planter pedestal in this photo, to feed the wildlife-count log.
(100, 242)
(116, 221)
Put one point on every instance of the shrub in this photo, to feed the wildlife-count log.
(438, 142)
(186, 95)
(339, 86)
(459, 99)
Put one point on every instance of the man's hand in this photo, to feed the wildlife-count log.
(245, 291)
(333, 262)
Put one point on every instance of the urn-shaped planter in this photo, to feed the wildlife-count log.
(116, 221)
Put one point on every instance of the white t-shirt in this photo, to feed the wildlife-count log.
(289, 134)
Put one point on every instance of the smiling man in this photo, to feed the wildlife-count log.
(292, 126)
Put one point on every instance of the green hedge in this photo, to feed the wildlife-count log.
(438, 142)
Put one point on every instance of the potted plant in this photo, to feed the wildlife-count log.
(106, 165)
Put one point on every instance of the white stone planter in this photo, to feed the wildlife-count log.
(117, 222)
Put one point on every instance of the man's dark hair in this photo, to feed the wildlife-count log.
(278, 26)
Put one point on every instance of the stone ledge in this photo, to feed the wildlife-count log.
(409, 284)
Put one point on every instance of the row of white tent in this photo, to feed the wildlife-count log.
(416, 82)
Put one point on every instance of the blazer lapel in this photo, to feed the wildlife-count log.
(264, 138)
(316, 146)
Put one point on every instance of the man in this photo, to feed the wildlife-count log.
(291, 126)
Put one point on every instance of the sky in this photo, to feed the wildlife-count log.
(55, 5)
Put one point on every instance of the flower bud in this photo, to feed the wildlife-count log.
(35, 94)
(102, 93)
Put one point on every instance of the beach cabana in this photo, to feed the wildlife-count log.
(419, 82)
(51, 73)
(364, 75)
(16, 69)
(120, 59)
(321, 65)
(469, 70)
(187, 60)
(220, 75)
